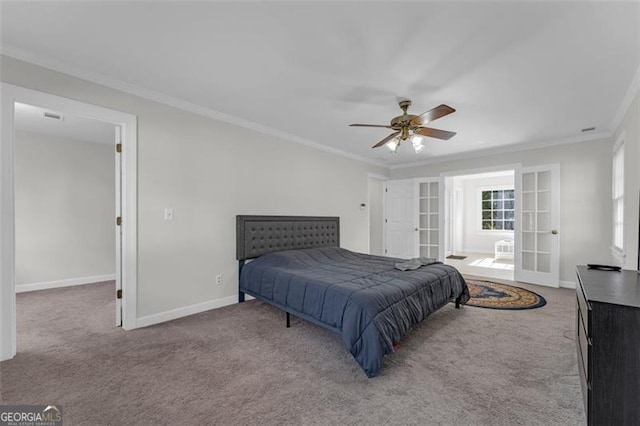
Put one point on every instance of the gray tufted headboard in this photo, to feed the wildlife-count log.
(257, 235)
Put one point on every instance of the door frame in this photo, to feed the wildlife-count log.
(9, 94)
(383, 179)
(449, 201)
(516, 167)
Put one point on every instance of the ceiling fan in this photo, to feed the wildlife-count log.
(409, 126)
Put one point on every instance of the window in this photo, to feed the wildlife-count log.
(497, 207)
(618, 198)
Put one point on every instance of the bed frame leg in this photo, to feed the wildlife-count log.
(458, 302)
(240, 293)
(288, 320)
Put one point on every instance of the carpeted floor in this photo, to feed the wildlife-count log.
(240, 365)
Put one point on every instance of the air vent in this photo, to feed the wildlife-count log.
(52, 115)
(588, 129)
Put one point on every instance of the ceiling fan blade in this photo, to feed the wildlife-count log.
(433, 114)
(370, 125)
(385, 140)
(435, 133)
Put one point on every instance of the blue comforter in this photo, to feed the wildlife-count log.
(363, 297)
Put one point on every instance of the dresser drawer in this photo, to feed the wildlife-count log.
(583, 344)
(582, 351)
(584, 307)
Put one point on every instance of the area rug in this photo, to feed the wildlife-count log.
(456, 257)
(492, 295)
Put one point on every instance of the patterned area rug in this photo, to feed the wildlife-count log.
(488, 294)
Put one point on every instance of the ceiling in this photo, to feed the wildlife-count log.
(519, 74)
(32, 119)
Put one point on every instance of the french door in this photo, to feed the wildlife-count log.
(537, 240)
(428, 222)
(413, 216)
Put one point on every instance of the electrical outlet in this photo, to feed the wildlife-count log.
(219, 279)
(168, 214)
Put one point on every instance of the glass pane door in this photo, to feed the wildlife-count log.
(429, 219)
(539, 247)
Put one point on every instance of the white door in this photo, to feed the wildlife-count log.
(400, 218)
(536, 234)
(118, 228)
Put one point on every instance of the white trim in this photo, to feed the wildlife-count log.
(618, 252)
(7, 232)
(568, 284)
(22, 288)
(9, 95)
(622, 137)
(186, 311)
(505, 149)
(377, 176)
(56, 65)
(482, 170)
(632, 91)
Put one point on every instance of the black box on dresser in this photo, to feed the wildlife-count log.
(608, 345)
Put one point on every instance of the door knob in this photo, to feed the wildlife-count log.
(554, 231)
(415, 229)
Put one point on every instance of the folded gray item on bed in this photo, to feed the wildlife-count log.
(416, 263)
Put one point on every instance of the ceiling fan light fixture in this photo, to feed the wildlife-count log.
(411, 127)
(418, 146)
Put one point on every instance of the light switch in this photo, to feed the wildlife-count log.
(168, 214)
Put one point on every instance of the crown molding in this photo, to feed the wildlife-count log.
(505, 149)
(632, 91)
(65, 68)
(56, 65)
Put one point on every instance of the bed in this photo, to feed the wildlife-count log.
(299, 267)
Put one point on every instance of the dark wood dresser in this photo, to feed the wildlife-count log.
(608, 345)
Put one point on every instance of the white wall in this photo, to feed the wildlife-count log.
(64, 209)
(585, 185)
(209, 171)
(376, 216)
(474, 239)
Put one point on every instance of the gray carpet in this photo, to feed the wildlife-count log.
(240, 365)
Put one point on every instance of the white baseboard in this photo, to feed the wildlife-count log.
(568, 284)
(185, 311)
(21, 288)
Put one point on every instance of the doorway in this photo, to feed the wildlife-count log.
(124, 133)
(480, 217)
(65, 199)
